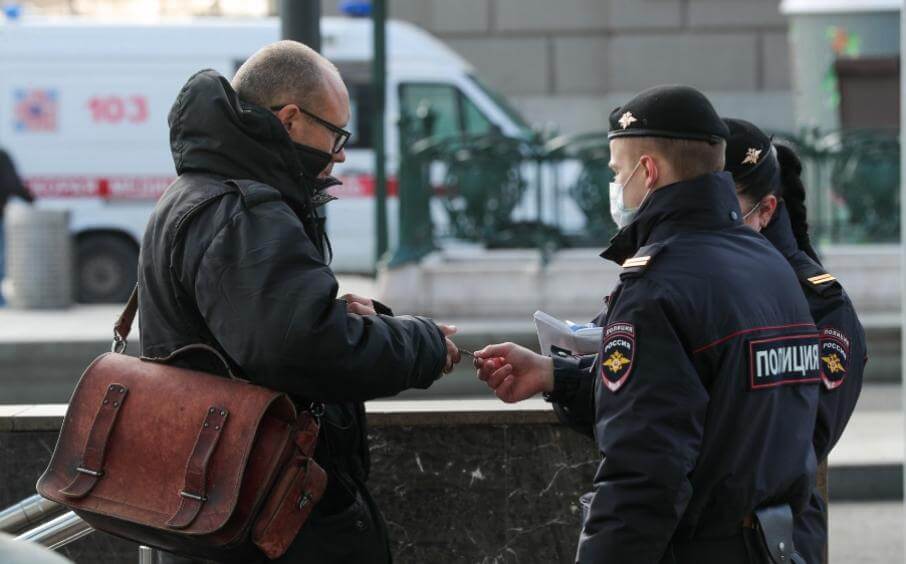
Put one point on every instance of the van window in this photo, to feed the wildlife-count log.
(475, 122)
(361, 107)
(503, 103)
(454, 113)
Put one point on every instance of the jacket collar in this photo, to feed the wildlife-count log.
(780, 232)
(704, 203)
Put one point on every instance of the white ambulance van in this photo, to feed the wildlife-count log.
(83, 112)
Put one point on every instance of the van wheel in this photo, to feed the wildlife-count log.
(106, 269)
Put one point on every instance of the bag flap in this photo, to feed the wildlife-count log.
(154, 435)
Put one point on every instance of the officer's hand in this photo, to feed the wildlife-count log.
(453, 356)
(359, 305)
(514, 373)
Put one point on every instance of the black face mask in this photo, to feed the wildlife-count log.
(313, 161)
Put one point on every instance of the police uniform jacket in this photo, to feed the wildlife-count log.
(233, 257)
(843, 357)
(706, 385)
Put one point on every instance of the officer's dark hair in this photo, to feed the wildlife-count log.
(285, 72)
(793, 191)
(688, 158)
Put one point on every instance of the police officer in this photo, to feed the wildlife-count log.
(706, 384)
(772, 198)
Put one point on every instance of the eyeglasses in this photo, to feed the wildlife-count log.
(341, 136)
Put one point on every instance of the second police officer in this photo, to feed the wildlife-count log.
(705, 389)
(772, 198)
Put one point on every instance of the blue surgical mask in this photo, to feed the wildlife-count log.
(622, 215)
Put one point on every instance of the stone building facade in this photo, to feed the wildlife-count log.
(569, 62)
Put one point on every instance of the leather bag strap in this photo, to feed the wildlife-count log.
(195, 347)
(123, 324)
(307, 435)
(90, 471)
(194, 493)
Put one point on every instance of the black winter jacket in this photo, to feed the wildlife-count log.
(233, 257)
(706, 387)
(843, 358)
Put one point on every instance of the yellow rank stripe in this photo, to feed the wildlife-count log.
(821, 279)
(636, 261)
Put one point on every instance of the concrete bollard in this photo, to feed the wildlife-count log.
(39, 263)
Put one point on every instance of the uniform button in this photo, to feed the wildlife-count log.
(360, 525)
(733, 215)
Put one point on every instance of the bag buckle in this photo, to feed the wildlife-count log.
(90, 472)
(119, 343)
(303, 501)
(190, 495)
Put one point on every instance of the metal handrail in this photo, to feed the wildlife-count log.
(29, 512)
(58, 532)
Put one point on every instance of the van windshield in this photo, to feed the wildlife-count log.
(504, 104)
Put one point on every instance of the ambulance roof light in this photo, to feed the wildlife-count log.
(356, 8)
(12, 11)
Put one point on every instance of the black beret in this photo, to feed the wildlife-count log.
(675, 112)
(749, 149)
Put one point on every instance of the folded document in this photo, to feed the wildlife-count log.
(580, 339)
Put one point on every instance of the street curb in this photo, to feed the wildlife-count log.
(865, 482)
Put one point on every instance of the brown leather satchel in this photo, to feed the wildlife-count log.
(182, 460)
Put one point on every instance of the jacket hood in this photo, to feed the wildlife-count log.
(213, 131)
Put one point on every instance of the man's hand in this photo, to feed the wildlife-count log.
(513, 372)
(359, 305)
(453, 356)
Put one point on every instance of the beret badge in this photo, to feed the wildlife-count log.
(627, 119)
(752, 156)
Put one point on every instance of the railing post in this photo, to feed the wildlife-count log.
(416, 235)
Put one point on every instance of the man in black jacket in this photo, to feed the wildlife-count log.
(10, 185)
(703, 396)
(235, 256)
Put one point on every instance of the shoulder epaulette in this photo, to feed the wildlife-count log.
(821, 279)
(642, 259)
(813, 276)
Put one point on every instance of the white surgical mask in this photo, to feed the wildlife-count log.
(751, 211)
(622, 215)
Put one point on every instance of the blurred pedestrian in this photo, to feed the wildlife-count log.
(10, 185)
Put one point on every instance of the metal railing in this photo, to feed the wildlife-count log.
(538, 192)
(29, 512)
(44, 522)
(47, 523)
(58, 532)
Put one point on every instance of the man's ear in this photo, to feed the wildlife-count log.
(652, 174)
(287, 115)
(767, 209)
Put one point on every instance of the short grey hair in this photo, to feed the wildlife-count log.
(285, 72)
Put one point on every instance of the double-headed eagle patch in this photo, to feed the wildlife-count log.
(617, 353)
(834, 357)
